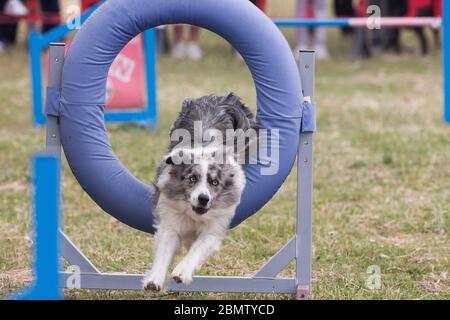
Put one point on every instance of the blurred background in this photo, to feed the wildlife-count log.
(382, 169)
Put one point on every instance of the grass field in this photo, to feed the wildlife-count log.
(382, 179)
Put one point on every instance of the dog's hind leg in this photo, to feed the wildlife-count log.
(205, 245)
(167, 243)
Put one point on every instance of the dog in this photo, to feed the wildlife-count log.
(199, 184)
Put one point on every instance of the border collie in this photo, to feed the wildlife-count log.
(199, 184)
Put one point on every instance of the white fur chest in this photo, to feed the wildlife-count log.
(179, 217)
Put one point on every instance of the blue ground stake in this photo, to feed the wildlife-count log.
(46, 198)
(147, 116)
(446, 62)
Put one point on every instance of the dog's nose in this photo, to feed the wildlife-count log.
(203, 199)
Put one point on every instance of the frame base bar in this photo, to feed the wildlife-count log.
(115, 281)
(279, 261)
(74, 256)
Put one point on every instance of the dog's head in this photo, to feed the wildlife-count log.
(199, 179)
(216, 115)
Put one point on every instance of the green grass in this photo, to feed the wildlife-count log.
(382, 179)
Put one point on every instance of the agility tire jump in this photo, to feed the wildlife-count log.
(75, 120)
(82, 97)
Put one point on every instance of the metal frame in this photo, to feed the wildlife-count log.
(148, 115)
(265, 280)
(305, 183)
(46, 198)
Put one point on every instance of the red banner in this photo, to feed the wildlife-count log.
(125, 88)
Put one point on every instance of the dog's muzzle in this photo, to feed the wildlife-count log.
(202, 207)
(200, 210)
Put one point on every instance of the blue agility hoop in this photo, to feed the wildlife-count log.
(82, 101)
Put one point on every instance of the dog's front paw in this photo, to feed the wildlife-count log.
(152, 283)
(182, 274)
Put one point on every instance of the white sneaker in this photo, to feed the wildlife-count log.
(179, 51)
(194, 52)
(322, 53)
(15, 8)
(2, 47)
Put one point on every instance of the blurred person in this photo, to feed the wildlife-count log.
(162, 40)
(17, 8)
(361, 47)
(378, 36)
(367, 42)
(411, 8)
(425, 8)
(395, 8)
(437, 12)
(344, 9)
(51, 7)
(8, 30)
(319, 41)
(191, 50)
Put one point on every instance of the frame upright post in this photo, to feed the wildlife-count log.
(266, 280)
(56, 62)
(305, 182)
(46, 194)
(53, 146)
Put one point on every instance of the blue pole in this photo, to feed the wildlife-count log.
(295, 22)
(446, 62)
(46, 180)
(150, 73)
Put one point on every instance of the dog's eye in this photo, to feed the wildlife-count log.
(215, 182)
(193, 179)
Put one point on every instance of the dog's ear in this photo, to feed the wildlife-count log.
(186, 104)
(178, 157)
(242, 116)
(240, 120)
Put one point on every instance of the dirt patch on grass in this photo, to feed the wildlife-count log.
(439, 283)
(14, 278)
(13, 186)
(401, 239)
